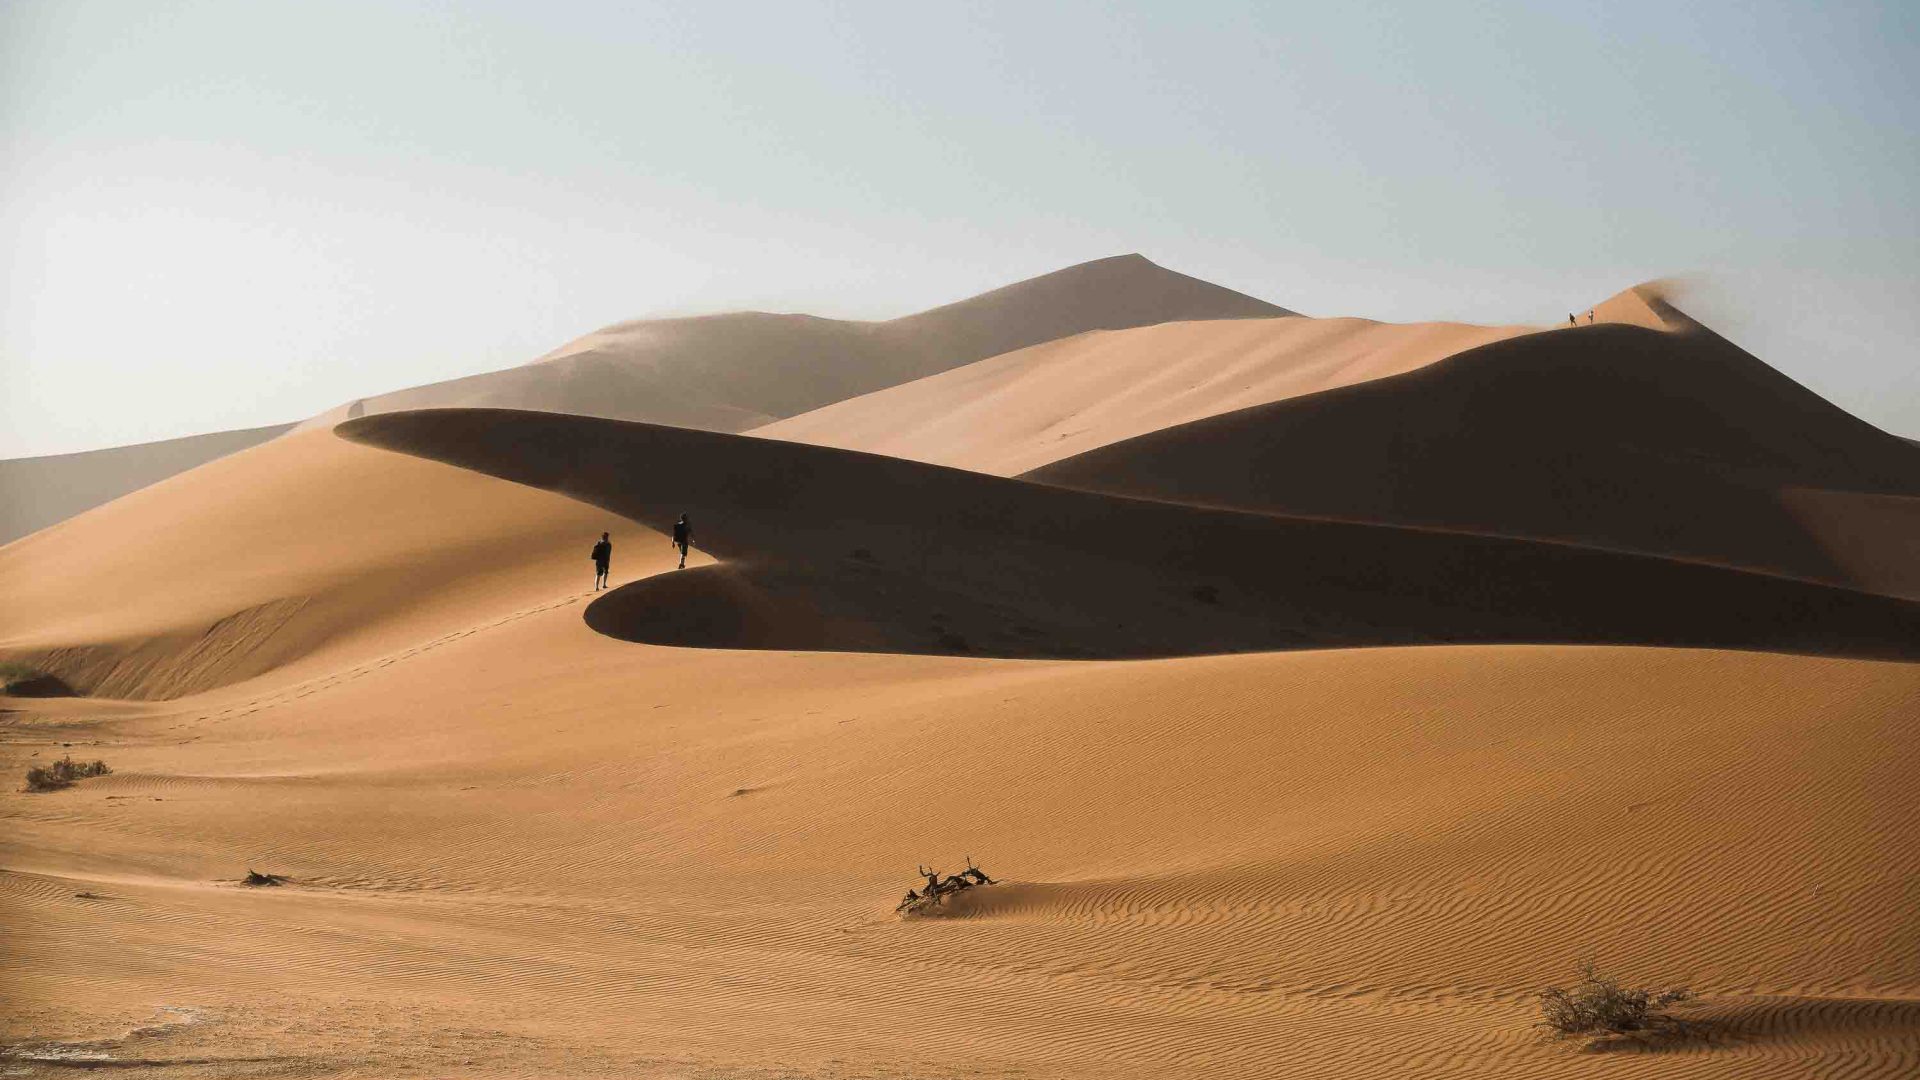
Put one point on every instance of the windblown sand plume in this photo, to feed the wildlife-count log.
(740, 370)
(1318, 690)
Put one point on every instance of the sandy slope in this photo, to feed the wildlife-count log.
(664, 862)
(827, 548)
(1021, 410)
(304, 545)
(736, 371)
(38, 491)
(1619, 435)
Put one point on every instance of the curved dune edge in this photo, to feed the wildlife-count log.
(740, 370)
(1670, 442)
(295, 558)
(1020, 410)
(881, 554)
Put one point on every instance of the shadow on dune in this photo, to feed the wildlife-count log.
(708, 607)
(1677, 444)
(833, 549)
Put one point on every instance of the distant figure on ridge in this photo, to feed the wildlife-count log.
(602, 559)
(682, 536)
(1571, 321)
(1589, 318)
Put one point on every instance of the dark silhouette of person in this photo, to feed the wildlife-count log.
(602, 559)
(682, 537)
(1571, 321)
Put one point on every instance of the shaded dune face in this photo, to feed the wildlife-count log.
(833, 549)
(1020, 410)
(1671, 443)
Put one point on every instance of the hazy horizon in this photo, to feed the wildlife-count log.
(221, 215)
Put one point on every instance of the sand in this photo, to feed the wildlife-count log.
(744, 369)
(1665, 441)
(727, 372)
(662, 862)
(1268, 794)
(1019, 411)
(306, 553)
(37, 492)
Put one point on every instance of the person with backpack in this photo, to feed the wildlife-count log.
(602, 560)
(683, 538)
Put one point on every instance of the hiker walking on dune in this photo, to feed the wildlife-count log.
(602, 559)
(682, 537)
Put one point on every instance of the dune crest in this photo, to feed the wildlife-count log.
(296, 556)
(742, 370)
(1021, 410)
(891, 555)
(1672, 442)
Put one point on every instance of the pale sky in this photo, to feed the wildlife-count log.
(229, 213)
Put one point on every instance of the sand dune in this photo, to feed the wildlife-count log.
(719, 373)
(1024, 409)
(38, 491)
(826, 548)
(305, 549)
(531, 831)
(737, 371)
(1619, 436)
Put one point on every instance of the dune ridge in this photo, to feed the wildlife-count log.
(1669, 442)
(882, 553)
(741, 370)
(285, 557)
(1020, 410)
(1402, 845)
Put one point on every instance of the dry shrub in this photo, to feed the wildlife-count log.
(1598, 1005)
(63, 773)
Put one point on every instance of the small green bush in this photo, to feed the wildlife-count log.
(63, 773)
(1598, 1005)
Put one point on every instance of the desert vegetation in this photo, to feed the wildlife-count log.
(1598, 1007)
(63, 773)
(938, 888)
